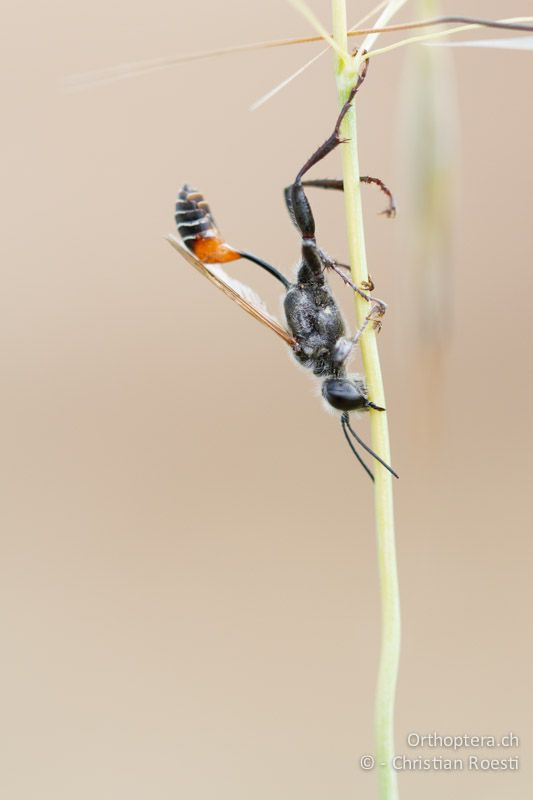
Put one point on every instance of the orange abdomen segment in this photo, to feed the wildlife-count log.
(212, 250)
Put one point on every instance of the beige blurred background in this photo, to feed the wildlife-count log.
(188, 575)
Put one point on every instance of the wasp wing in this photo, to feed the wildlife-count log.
(236, 291)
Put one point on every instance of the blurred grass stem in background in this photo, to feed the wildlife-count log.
(346, 75)
(429, 158)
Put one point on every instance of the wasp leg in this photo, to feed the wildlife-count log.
(344, 346)
(366, 286)
(295, 197)
(374, 316)
(334, 183)
(379, 307)
(300, 210)
(359, 332)
(334, 139)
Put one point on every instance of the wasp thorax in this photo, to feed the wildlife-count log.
(344, 394)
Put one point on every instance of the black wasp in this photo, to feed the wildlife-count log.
(316, 330)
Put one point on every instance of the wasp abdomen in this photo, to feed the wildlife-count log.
(193, 216)
(197, 228)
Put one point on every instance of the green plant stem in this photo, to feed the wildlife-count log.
(390, 599)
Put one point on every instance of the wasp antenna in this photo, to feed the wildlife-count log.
(346, 421)
(354, 451)
(268, 267)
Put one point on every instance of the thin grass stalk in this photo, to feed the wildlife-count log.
(383, 496)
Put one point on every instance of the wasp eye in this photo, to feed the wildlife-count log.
(344, 395)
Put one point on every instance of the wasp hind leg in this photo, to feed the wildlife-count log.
(295, 197)
(337, 184)
(334, 140)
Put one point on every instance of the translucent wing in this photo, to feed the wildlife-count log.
(238, 292)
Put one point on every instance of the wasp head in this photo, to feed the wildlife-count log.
(345, 394)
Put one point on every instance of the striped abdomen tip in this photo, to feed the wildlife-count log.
(197, 228)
